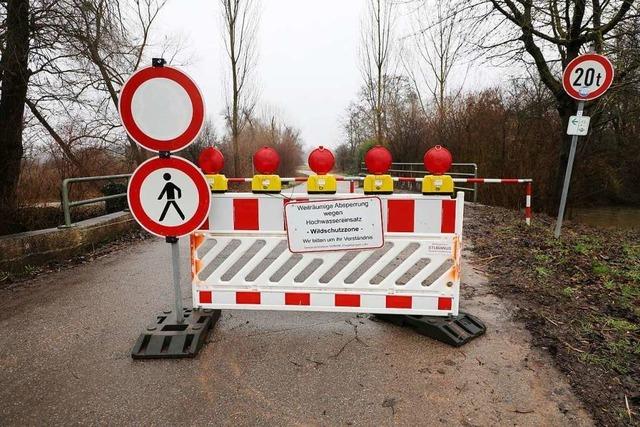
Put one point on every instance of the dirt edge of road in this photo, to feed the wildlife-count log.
(579, 297)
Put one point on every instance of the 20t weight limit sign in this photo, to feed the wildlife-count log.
(587, 77)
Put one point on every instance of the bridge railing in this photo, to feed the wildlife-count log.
(68, 204)
(412, 170)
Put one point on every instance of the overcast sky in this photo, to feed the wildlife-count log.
(307, 67)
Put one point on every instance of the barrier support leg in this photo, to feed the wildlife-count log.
(453, 330)
(184, 337)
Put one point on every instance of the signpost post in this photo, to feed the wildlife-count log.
(169, 197)
(162, 110)
(585, 78)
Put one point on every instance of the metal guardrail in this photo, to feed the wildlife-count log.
(412, 169)
(67, 204)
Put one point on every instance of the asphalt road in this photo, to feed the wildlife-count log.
(65, 340)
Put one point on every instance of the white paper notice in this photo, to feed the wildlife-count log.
(334, 225)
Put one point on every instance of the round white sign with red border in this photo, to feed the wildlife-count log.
(161, 108)
(169, 196)
(587, 77)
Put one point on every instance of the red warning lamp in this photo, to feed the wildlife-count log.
(211, 161)
(437, 160)
(321, 160)
(378, 160)
(266, 161)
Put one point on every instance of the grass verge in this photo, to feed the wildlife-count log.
(579, 296)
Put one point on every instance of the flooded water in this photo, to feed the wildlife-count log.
(608, 217)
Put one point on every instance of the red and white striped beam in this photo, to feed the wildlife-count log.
(236, 212)
(527, 205)
(507, 181)
(403, 179)
(325, 301)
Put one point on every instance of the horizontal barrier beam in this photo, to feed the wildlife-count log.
(403, 179)
(506, 181)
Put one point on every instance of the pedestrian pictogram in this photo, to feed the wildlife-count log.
(587, 77)
(161, 108)
(170, 190)
(169, 196)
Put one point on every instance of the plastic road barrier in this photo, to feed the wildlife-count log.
(240, 258)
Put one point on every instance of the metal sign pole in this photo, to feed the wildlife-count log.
(177, 291)
(567, 176)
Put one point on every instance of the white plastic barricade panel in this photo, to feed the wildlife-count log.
(241, 260)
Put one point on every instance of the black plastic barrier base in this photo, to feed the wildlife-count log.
(167, 339)
(453, 330)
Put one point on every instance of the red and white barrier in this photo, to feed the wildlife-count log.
(241, 260)
(265, 212)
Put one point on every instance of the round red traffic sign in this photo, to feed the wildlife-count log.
(161, 108)
(169, 196)
(587, 77)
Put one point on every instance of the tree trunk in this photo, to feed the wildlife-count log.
(15, 75)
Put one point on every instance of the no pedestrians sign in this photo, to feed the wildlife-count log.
(169, 196)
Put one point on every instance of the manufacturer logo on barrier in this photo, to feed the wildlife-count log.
(169, 196)
(330, 225)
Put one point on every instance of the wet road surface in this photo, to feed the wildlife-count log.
(65, 340)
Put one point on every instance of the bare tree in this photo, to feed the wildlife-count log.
(549, 34)
(96, 45)
(438, 41)
(206, 138)
(375, 55)
(357, 132)
(240, 23)
(14, 77)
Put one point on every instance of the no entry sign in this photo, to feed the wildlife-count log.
(161, 108)
(587, 77)
(169, 196)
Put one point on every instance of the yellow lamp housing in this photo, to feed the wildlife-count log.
(266, 184)
(217, 183)
(322, 184)
(378, 184)
(437, 184)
